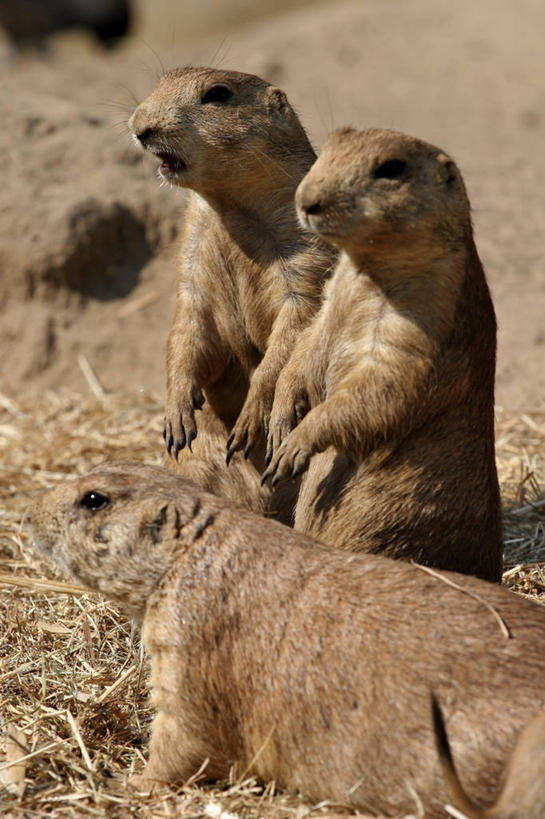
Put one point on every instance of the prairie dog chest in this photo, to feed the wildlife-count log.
(260, 292)
(240, 292)
(358, 325)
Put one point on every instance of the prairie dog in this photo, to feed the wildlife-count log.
(295, 662)
(250, 277)
(397, 369)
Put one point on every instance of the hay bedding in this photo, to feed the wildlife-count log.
(73, 682)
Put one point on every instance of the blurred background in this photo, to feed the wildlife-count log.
(88, 236)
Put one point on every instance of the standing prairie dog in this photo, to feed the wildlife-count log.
(250, 277)
(293, 662)
(398, 366)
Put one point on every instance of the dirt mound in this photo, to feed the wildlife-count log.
(82, 226)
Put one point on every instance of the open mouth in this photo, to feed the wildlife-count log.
(170, 163)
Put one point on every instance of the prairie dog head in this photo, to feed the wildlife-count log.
(119, 528)
(377, 189)
(213, 128)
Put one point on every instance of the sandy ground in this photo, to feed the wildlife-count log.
(87, 236)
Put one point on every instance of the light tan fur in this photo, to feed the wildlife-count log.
(293, 662)
(397, 369)
(522, 794)
(250, 277)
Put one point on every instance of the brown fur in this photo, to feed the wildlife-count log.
(398, 366)
(250, 277)
(295, 662)
(522, 795)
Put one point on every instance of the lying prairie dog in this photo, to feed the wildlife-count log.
(250, 277)
(397, 369)
(281, 658)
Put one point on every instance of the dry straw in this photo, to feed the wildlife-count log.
(73, 682)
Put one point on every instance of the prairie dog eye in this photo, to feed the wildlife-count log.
(94, 501)
(217, 93)
(391, 169)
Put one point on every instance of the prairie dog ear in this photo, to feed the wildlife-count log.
(277, 100)
(160, 522)
(446, 168)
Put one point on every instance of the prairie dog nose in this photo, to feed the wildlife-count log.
(143, 135)
(309, 197)
(312, 207)
(139, 125)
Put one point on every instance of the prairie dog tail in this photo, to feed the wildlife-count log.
(523, 793)
(460, 799)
